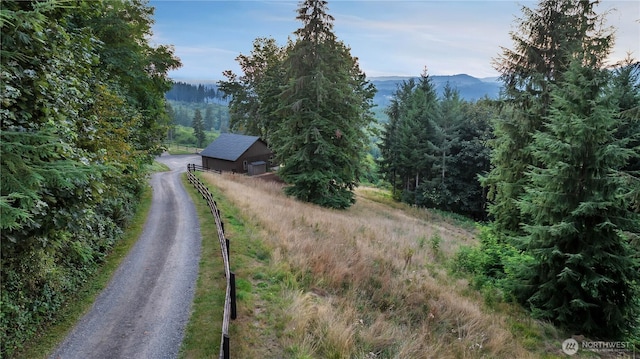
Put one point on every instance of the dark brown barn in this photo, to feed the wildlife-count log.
(237, 153)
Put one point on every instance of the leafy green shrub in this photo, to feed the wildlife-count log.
(184, 135)
(494, 263)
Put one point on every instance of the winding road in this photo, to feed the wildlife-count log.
(144, 309)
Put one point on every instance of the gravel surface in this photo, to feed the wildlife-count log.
(144, 309)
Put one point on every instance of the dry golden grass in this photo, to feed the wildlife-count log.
(370, 283)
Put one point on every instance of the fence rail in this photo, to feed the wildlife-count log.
(230, 296)
(193, 167)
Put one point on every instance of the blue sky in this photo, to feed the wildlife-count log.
(390, 38)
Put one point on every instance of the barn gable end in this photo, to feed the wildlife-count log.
(236, 153)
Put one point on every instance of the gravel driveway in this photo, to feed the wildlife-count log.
(146, 305)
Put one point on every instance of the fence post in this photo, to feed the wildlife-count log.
(234, 313)
(225, 346)
(228, 254)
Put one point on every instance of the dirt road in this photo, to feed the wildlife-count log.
(143, 311)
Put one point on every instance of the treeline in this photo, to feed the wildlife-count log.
(215, 116)
(182, 91)
(433, 149)
(83, 111)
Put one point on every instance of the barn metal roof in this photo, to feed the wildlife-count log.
(229, 146)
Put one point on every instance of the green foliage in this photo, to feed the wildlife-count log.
(548, 38)
(495, 264)
(585, 265)
(185, 136)
(561, 186)
(433, 149)
(216, 116)
(184, 92)
(311, 102)
(73, 143)
(407, 147)
(255, 94)
(435, 245)
(462, 155)
(139, 71)
(626, 89)
(198, 129)
(324, 114)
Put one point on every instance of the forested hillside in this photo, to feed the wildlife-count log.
(83, 112)
(470, 88)
(185, 92)
(215, 116)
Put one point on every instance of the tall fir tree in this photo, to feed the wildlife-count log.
(471, 158)
(440, 191)
(546, 41)
(198, 128)
(324, 114)
(586, 274)
(407, 147)
(626, 87)
(418, 134)
(389, 162)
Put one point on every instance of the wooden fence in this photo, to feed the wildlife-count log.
(230, 311)
(193, 167)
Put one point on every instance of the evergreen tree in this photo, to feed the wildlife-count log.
(324, 113)
(408, 148)
(255, 94)
(198, 128)
(626, 87)
(208, 118)
(471, 158)
(439, 192)
(418, 134)
(390, 150)
(586, 274)
(548, 38)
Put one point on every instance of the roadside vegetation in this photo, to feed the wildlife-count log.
(202, 334)
(83, 114)
(51, 334)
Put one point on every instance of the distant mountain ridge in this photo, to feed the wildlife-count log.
(470, 88)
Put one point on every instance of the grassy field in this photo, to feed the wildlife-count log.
(374, 281)
(177, 149)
